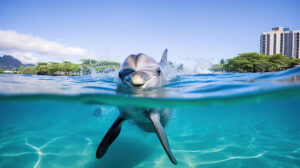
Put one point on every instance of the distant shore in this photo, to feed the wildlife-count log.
(66, 68)
(86, 67)
(255, 62)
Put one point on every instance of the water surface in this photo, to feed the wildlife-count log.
(219, 120)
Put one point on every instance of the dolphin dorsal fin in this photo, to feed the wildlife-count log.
(164, 57)
(160, 131)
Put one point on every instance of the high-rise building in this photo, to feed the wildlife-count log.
(280, 40)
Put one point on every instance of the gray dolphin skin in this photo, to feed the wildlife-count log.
(141, 71)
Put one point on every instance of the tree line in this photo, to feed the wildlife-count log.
(67, 68)
(177, 67)
(89, 65)
(255, 62)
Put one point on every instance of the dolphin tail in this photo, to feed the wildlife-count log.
(155, 118)
(109, 137)
(164, 57)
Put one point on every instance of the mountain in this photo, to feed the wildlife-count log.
(8, 62)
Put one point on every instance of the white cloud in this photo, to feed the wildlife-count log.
(13, 41)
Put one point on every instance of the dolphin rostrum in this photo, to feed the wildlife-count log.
(141, 71)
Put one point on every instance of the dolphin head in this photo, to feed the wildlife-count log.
(141, 71)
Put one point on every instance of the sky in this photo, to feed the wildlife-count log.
(197, 33)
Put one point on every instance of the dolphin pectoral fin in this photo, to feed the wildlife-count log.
(109, 137)
(164, 58)
(155, 118)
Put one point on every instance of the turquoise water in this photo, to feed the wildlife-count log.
(218, 120)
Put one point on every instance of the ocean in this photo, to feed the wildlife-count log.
(218, 120)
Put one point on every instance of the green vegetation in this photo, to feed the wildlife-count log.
(88, 65)
(68, 68)
(255, 62)
(42, 68)
(218, 67)
(31, 70)
(104, 66)
(1, 71)
(176, 66)
(53, 68)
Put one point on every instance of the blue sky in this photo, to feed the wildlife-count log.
(195, 32)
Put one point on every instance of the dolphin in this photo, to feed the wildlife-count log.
(141, 71)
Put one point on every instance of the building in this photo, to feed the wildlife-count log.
(280, 40)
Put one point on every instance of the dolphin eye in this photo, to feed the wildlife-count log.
(158, 71)
(124, 73)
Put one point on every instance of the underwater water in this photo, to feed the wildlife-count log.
(218, 120)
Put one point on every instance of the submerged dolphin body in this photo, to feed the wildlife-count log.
(141, 71)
